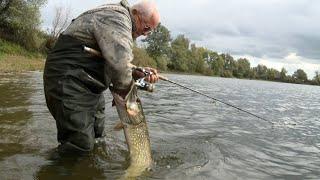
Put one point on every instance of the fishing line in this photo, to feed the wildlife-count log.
(215, 99)
(98, 53)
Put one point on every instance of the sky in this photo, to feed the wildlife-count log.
(275, 33)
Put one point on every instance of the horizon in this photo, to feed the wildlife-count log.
(272, 33)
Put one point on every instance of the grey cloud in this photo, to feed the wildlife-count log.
(271, 28)
(259, 28)
(308, 45)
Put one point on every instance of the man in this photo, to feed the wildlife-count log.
(74, 80)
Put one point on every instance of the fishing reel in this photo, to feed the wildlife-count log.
(142, 83)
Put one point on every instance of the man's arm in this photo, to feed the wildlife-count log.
(113, 33)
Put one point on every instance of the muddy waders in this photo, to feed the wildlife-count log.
(73, 84)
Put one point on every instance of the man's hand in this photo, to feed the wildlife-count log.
(151, 77)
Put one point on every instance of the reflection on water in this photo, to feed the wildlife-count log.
(66, 165)
(192, 137)
(14, 114)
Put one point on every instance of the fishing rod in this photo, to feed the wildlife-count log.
(147, 73)
(97, 53)
(215, 99)
(228, 104)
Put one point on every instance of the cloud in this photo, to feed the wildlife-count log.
(273, 28)
(258, 28)
(48, 11)
(291, 62)
(308, 45)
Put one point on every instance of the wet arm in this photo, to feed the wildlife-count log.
(114, 37)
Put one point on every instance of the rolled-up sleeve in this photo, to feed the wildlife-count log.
(113, 33)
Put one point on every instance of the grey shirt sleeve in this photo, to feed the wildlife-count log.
(113, 33)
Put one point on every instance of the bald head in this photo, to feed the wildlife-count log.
(148, 9)
(146, 16)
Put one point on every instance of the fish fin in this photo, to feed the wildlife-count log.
(118, 126)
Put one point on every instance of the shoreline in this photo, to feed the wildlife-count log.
(20, 64)
(15, 64)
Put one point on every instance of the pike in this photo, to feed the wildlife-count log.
(134, 125)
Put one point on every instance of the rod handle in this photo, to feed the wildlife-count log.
(99, 54)
(163, 78)
(92, 51)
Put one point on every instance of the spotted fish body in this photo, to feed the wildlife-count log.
(138, 141)
(136, 132)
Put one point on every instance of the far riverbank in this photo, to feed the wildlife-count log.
(18, 64)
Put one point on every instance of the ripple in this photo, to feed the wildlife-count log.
(191, 137)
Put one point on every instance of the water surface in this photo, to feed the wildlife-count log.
(192, 137)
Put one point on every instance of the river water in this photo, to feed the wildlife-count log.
(192, 137)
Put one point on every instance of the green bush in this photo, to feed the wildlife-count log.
(10, 48)
(162, 63)
(20, 23)
(141, 58)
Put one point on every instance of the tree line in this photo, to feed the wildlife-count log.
(20, 23)
(180, 55)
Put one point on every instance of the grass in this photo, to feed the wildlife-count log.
(15, 59)
(10, 48)
(17, 64)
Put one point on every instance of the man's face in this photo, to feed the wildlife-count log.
(144, 26)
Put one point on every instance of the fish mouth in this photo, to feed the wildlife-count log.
(129, 108)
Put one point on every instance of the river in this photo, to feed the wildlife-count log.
(192, 137)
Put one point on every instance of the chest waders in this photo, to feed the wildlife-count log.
(73, 84)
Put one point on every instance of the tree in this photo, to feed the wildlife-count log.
(60, 21)
(273, 74)
(216, 63)
(243, 68)
(180, 54)
(162, 62)
(4, 6)
(158, 42)
(262, 72)
(230, 65)
(283, 75)
(141, 58)
(316, 79)
(59, 24)
(20, 22)
(253, 73)
(300, 76)
(197, 59)
(290, 79)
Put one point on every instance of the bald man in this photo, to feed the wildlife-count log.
(74, 80)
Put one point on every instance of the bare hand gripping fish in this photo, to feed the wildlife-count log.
(133, 122)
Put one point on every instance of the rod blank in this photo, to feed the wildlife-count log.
(215, 99)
